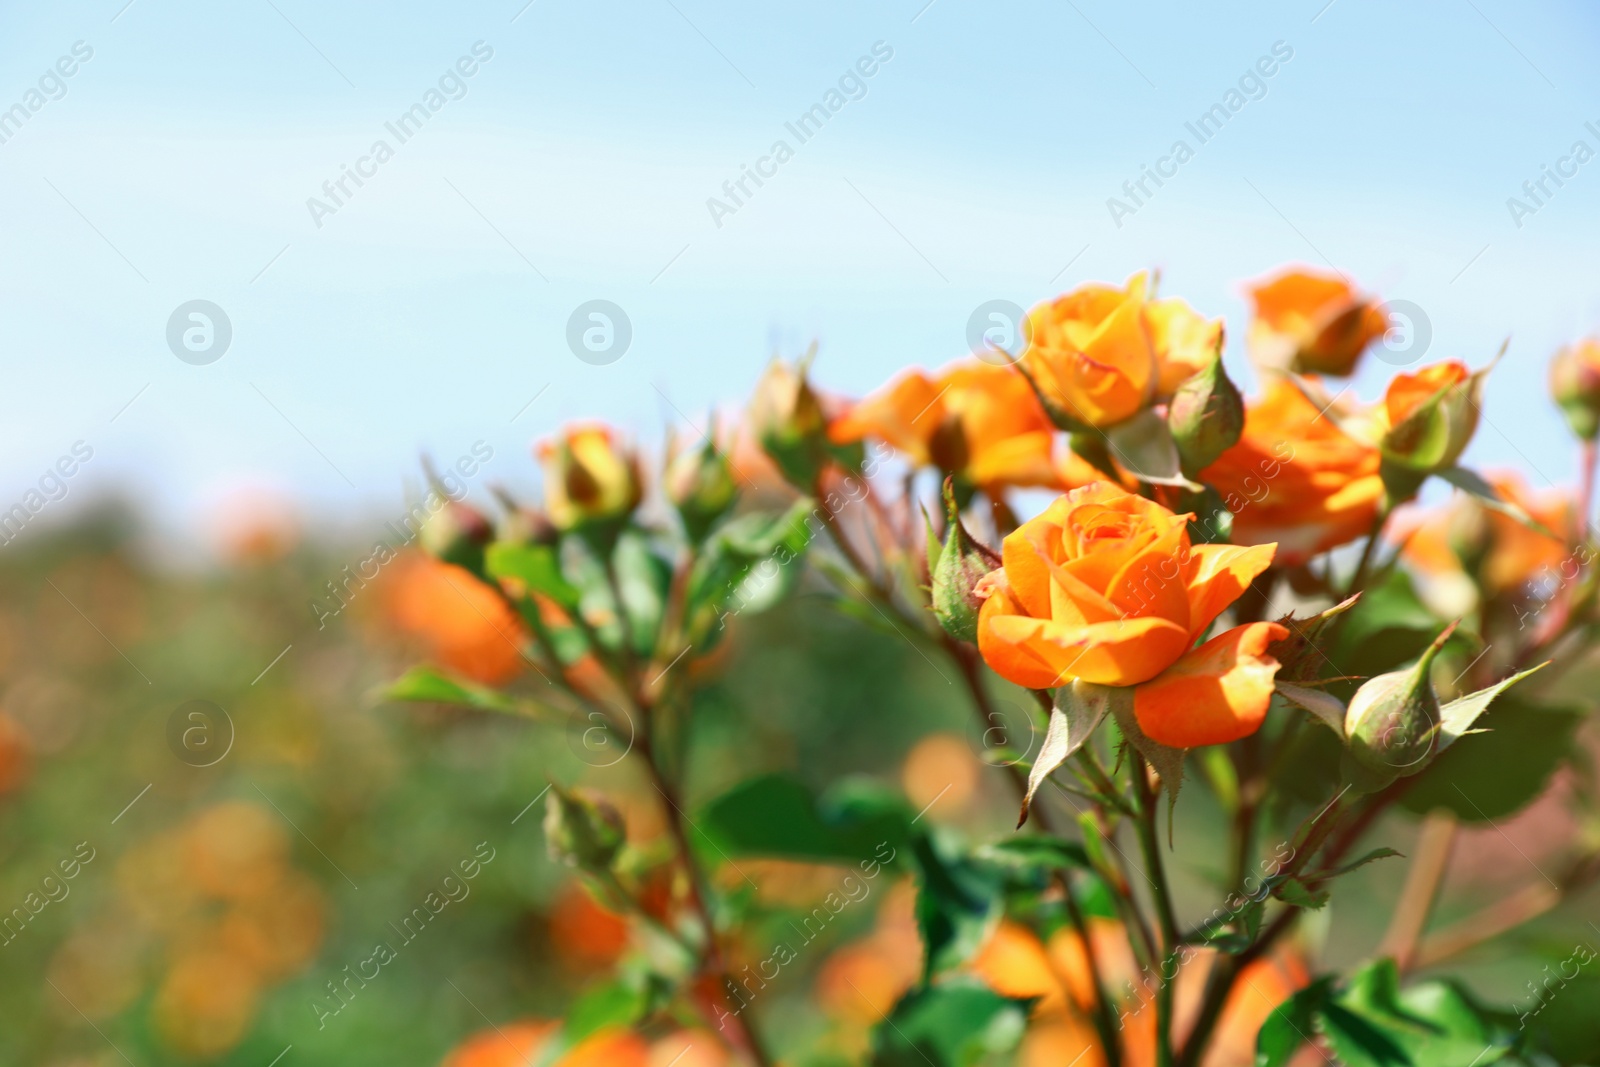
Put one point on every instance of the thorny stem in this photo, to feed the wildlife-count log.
(1220, 983)
(714, 961)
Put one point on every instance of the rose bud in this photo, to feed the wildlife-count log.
(591, 485)
(1432, 416)
(1392, 723)
(1575, 384)
(454, 532)
(788, 420)
(700, 485)
(582, 830)
(523, 525)
(1206, 417)
(962, 564)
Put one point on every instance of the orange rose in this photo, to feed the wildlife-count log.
(1296, 478)
(1104, 587)
(460, 621)
(1449, 541)
(975, 420)
(1100, 354)
(1313, 322)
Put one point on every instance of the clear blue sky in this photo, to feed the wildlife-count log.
(424, 312)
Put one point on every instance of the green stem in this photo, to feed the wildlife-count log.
(1367, 550)
(1155, 866)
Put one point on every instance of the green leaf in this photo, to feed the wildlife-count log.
(429, 686)
(1495, 771)
(1370, 857)
(1029, 854)
(537, 566)
(747, 565)
(1456, 718)
(1473, 483)
(959, 1023)
(1079, 707)
(1328, 709)
(1387, 627)
(959, 903)
(1298, 894)
(778, 816)
(618, 1003)
(1144, 445)
(1291, 1024)
(1376, 1023)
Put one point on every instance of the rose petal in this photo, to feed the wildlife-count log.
(1215, 694)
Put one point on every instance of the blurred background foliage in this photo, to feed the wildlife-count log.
(221, 901)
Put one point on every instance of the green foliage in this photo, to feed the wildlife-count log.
(959, 902)
(1370, 1021)
(1386, 628)
(1492, 774)
(778, 816)
(429, 685)
(958, 1023)
(537, 566)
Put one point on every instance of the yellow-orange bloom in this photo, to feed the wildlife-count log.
(1314, 322)
(1296, 478)
(1100, 354)
(589, 477)
(1105, 587)
(973, 419)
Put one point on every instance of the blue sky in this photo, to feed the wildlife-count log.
(577, 162)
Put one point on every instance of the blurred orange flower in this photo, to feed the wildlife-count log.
(1464, 536)
(1313, 322)
(1296, 478)
(1105, 587)
(586, 936)
(1016, 963)
(461, 622)
(522, 1043)
(976, 420)
(15, 755)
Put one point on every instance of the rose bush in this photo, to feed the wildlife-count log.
(1223, 589)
